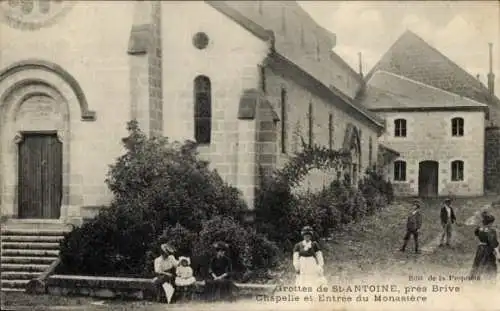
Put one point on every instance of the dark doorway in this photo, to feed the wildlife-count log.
(428, 174)
(40, 176)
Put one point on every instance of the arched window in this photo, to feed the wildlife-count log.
(370, 152)
(284, 120)
(202, 110)
(263, 85)
(400, 128)
(330, 131)
(310, 118)
(457, 127)
(399, 170)
(457, 170)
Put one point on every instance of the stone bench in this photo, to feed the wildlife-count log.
(126, 288)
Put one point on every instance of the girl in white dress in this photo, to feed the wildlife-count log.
(184, 273)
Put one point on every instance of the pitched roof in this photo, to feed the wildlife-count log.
(410, 56)
(389, 91)
(260, 31)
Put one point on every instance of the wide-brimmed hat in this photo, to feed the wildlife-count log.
(307, 230)
(167, 248)
(220, 246)
(181, 258)
(487, 218)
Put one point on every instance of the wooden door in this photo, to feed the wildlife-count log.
(428, 178)
(40, 176)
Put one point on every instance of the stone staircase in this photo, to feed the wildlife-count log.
(26, 252)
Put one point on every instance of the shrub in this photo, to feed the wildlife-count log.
(113, 243)
(281, 213)
(273, 205)
(377, 191)
(248, 249)
(159, 188)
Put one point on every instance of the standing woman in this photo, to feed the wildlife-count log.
(485, 266)
(308, 260)
(164, 266)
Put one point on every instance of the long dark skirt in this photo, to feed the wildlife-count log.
(159, 280)
(219, 289)
(485, 265)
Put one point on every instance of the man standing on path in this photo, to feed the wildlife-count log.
(413, 225)
(447, 220)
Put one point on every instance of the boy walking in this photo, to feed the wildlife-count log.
(413, 225)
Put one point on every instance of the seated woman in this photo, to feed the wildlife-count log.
(164, 267)
(219, 285)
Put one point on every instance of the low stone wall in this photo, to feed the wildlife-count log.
(127, 288)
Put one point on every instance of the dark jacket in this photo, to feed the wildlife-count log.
(444, 215)
(414, 222)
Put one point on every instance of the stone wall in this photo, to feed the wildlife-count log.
(429, 138)
(91, 47)
(155, 71)
(492, 159)
(231, 61)
(297, 127)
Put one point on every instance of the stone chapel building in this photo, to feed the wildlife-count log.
(246, 80)
(443, 121)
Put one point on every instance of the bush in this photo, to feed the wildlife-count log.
(377, 191)
(281, 213)
(248, 250)
(273, 205)
(113, 243)
(160, 189)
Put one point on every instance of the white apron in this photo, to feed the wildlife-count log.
(310, 273)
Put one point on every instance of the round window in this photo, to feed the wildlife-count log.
(32, 14)
(200, 40)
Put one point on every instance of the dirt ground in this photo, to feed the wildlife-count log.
(365, 251)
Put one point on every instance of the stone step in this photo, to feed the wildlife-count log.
(14, 283)
(6, 289)
(18, 275)
(28, 260)
(33, 231)
(24, 267)
(31, 238)
(30, 253)
(30, 245)
(35, 225)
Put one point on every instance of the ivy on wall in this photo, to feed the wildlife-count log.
(312, 157)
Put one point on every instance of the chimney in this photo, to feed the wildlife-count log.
(491, 75)
(360, 65)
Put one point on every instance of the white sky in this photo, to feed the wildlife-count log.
(460, 29)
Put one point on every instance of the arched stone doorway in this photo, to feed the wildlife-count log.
(35, 123)
(39, 102)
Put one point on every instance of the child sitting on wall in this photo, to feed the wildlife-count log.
(184, 280)
(184, 273)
